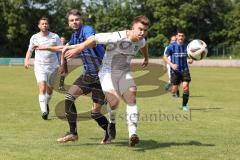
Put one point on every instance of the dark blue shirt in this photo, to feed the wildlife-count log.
(91, 57)
(178, 55)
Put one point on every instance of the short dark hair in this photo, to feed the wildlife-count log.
(180, 30)
(74, 12)
(142, 19)
(43, 18)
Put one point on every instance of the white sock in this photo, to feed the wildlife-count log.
(132, 118)
(112, 115)
(43, 103)
(48, 97)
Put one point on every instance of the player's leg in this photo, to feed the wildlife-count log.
(61, 83)
(43, 99)
(185, 96)
(51, 74)
(129, 97)
(41, 77)
(49, 96)
(62, 78)
(109, 86)
(98, 98)
(113, 99)
(168, 85)
(128, 91)
(175, 80)
(78, 88)
(101, 121)
(185, 84)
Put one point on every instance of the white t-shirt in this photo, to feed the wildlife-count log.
(44, 56)
(119, 50)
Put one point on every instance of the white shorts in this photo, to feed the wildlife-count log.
(45, 73)
(120, 81)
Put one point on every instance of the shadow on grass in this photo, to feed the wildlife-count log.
(192, 96)
(145, 144)
(152, 144)
(206, 109)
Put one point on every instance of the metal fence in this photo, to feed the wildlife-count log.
(225, 51)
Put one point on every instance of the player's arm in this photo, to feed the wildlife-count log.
(72, 51)
(165, 58)
(27, 59)
(92, 41)
(144, 52)
(190, 61)
(29, 52)
(63, 61)
(53, 49)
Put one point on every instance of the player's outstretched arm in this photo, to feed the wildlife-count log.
(49, 48)
(89, 43)
(27, 59)
(144, 51)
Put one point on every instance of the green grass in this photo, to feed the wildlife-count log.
(210, 132)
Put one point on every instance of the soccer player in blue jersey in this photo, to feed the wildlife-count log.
(115, 74)
(179, 66)
(87, 82)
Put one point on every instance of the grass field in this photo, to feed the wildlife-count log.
(210, 131)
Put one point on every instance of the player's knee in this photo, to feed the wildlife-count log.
(75, 91)
(96, 107)
(186, 89)
(131, 99)
(96, 115)
(69, 97)
(174, 89)
(133, 89)
(42, 89)
(113, 103)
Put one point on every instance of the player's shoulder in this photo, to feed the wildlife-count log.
(86, 28)
(52, 34)
(185, 44)
(120, 35)
(35, 35)
(171, 45)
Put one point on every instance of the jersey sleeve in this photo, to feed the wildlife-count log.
(168, 50)
(143, 43)
(31, 43)
(88, 31)
(71, 41)
(106, 38)
(58, 41)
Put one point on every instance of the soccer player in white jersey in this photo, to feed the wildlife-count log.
(115, 77)
(172, 39)
(45, 64)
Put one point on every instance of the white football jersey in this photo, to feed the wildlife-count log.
(44, 56)
(119, 50)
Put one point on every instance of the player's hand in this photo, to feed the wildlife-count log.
(71, 53)
(190, 61)
(145, 63)
(27, 64)
(61, 70)
(64, 49)
(38, 47)
(174, 66)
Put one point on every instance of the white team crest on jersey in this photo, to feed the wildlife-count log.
(111, 46)
(125, 45)
(136, 48)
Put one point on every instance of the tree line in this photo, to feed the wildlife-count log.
(214, 21)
